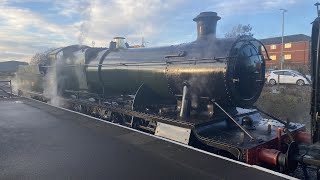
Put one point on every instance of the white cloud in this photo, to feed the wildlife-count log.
(130, 18)
(99, 21)
(26, 31)
(235, 7)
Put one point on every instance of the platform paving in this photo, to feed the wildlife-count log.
(39, 141)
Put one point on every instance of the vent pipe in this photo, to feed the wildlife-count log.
(206, 24)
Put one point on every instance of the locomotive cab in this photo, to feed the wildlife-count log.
(120, 43)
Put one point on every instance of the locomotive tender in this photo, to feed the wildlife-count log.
(200, 93)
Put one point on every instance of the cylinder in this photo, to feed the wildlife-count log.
(303, 137)
(269, 156)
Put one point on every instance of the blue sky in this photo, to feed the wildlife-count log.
(30, 26)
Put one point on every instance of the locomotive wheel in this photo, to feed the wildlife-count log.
(272, 82)
(300, 82)
(115, 118)
(135, 123)
(77, 107)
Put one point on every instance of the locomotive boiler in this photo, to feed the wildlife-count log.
(200, 93)
(192, 75)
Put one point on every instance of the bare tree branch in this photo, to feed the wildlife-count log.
(40, 58)
(239, 30)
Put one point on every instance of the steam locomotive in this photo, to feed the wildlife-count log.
(200, 93)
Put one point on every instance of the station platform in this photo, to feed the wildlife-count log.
(40, 141)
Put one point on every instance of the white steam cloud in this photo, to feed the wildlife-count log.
(50, 89)
(84, 10)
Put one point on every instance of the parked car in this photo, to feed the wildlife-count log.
(267, 74)
(287, 77)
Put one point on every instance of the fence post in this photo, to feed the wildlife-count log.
(278, 82)
(10, 89)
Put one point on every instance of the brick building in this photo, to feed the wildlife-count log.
(296, 49)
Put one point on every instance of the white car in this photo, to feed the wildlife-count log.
(287, 77)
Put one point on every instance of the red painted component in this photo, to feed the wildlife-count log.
(302, 136)
(279, 138)
(269, 156)
(252, 154)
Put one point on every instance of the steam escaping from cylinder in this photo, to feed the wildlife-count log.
(50, 86)
(54, 77)
(65, 73)
(15, 84)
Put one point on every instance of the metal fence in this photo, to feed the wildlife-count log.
(6, 89)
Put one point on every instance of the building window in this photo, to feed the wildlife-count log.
(273, 46)
(287, 45)
(273, 57)
(287, 56)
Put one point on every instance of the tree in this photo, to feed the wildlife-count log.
(40, 58)
(239, 30)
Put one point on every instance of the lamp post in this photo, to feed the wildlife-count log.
(282, 56)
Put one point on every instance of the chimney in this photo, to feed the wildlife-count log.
(206, 24)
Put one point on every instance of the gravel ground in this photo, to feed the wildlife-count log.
(287, 102)
(312, 174)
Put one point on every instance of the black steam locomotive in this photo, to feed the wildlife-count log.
(199, 93)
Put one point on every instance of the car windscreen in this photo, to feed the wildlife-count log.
(295, 72)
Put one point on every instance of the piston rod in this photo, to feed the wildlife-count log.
(242, 128)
